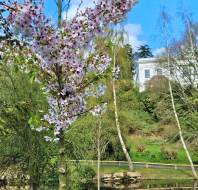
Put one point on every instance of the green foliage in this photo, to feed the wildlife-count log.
(22, 105)
(50, 174)
(157, 102)
(87, 172)
(79, 176)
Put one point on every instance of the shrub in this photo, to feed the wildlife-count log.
(152, 156)
(87, 172)
(140, 148)
(168, 154)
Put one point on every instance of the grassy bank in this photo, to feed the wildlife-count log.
(148, 149)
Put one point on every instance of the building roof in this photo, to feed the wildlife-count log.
(146, 60)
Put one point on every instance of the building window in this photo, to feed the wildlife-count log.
(159, 71)
(147, 73)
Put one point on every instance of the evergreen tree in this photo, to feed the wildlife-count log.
(144, 51)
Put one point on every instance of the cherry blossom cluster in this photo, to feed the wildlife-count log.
(11, 49)
(95, 91)
(99, 110)
(28, 19)
(50, 139)
(63, 112)
(59, 51)
(99, 63)
(5, 49)
(116, 72)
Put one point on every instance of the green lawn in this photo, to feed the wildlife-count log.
(152, 152)
(152, 173)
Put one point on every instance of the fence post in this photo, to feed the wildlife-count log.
(175, 166)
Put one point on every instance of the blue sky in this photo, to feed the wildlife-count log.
(146, 15)
(142, 23)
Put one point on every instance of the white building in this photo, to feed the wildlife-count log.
(149, 67)
(145, 70)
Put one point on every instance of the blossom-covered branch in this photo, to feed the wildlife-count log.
(59, 51)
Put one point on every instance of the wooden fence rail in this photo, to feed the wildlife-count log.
(136, 164)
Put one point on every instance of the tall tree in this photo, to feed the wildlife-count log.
(165, 29)
(183, 70)
(115, 73)
(144, 51)
(121, 71)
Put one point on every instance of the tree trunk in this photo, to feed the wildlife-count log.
(99, 134)
(178, 123)
(59, 12)
(130, 164)
(195, 185)
(192, 47)
(166, 36)
(34, 186)
(61, 164)
(180, 133)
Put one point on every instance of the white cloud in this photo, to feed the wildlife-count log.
(133, 32)
(74, 6)
(159, 51)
